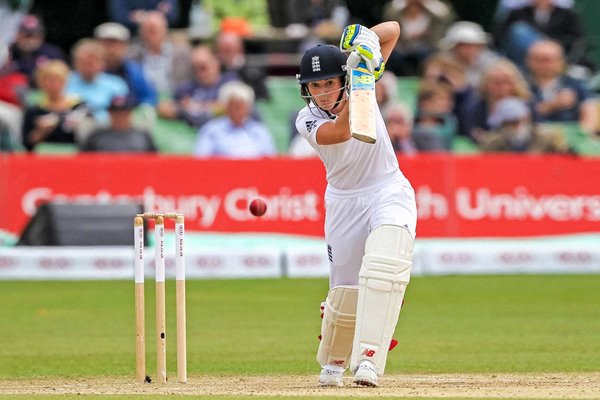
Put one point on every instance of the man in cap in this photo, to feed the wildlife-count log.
(121, 135)
(114, 38)
(467, 43)
(30, 49)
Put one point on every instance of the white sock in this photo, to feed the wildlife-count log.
(334, 368)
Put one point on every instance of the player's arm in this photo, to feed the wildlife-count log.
(389, 33)
(336, 131)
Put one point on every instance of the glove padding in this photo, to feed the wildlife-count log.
(363, 46)
(373, 62)
(355, 35)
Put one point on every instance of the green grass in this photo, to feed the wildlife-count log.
(448, 324)
(501, 324)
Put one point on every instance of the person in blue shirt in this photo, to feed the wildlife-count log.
(556, 96)
(90, 83)
(235, 135)
(115, 39)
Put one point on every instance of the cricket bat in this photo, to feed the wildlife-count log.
(362, 105)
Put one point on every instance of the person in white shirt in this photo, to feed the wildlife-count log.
(236, 134)
(371, 216)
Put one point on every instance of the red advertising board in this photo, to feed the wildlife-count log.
(457, 196)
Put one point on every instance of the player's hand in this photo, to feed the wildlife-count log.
(373, 61)
(355, 35)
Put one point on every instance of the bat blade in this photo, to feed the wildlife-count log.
(362, 105)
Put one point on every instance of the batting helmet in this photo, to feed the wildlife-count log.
(323, 61)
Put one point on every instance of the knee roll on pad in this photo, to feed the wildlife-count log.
(383, 277)
(337, 329)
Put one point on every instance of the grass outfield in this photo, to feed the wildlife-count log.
(458, 324)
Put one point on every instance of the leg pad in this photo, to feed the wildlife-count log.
(383, 277)
(337, 329)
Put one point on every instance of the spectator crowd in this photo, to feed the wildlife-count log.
(517, 86)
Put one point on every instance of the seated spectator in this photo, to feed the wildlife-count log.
(558, 97)
(13, 88)
(121, 136)
(499, 81)
(115, 39)
(197, 100)
(166, 63)
(423, 24)
(131, 13)
(513, 131)
(399, 122)
(441, 68)
(90, 83)
(58, 116)
(236, 134)
(434, 124)
(230, 51)
(539, 20)
(30, 50)
(467, 44)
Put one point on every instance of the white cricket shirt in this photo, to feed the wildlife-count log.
(352, 165)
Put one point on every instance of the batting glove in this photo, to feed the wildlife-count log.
(355, 35)
(372, 61)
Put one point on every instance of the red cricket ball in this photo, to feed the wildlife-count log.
(258, 207)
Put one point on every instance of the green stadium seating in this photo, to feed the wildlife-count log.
(173, 136)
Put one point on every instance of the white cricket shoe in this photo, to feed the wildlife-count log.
(331, 376)
(365, 374)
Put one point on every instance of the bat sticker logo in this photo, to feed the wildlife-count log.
(362, 80)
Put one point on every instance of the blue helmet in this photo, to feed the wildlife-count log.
(323, 61)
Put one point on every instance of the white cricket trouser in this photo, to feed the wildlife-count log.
(352, 215)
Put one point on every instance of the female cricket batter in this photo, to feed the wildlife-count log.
(371, 215)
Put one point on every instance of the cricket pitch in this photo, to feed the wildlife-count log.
(491, 385)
